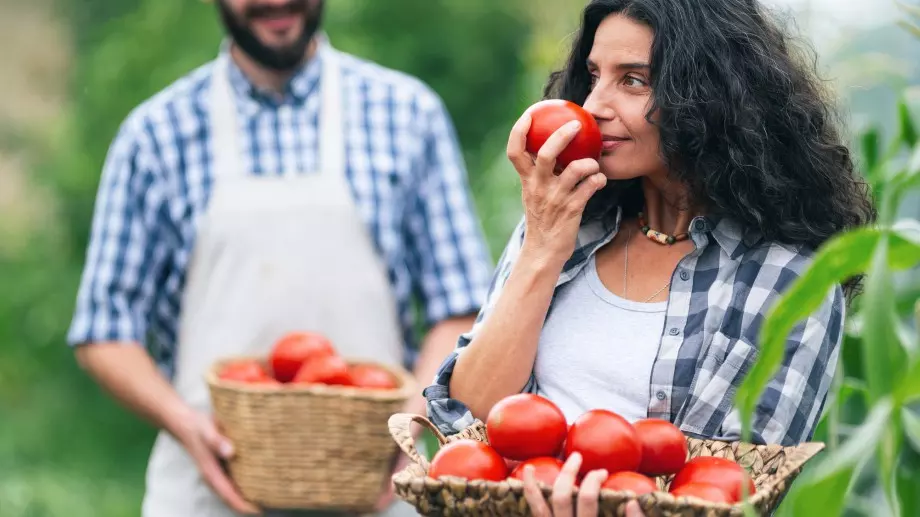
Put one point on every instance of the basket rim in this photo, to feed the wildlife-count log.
(405, 477)
(407, 383)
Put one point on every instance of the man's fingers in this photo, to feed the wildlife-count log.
(224, 488)
(533, 495)
(218, 444)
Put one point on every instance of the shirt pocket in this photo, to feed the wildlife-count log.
(721, 370)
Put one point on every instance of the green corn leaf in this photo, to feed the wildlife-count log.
(908, 133)
(909, 390)
(870, 149)
(819, 491)
(907, 480)
(840, 258)
(883, 353)
(910, 417)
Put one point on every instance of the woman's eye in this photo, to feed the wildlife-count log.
(594, 79)
(633, 81)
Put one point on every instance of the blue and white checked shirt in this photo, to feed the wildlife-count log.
(719, 297)
(403, 163)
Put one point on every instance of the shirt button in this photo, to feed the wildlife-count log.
(674, 331)
(661, 395)
(699, 226)
(684, 275)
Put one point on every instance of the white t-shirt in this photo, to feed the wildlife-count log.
(597, 349)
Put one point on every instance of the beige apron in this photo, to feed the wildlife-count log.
(273, 254)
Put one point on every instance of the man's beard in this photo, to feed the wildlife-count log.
(281, 59)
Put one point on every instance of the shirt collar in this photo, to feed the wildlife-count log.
(300, 86)
(728, 233)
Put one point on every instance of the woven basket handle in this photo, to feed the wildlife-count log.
(400, 427)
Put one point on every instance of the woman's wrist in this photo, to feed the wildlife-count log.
(541, 261)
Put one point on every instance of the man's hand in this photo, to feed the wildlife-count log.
(207, 447)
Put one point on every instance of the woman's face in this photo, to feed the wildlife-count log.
(620, 98)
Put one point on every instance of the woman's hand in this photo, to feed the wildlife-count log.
(553, 204)
(588, 493)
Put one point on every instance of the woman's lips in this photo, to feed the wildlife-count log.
(610, 143)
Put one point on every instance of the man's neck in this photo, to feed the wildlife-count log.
(265, 78)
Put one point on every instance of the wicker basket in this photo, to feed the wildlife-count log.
(311, 447)
(773, 468)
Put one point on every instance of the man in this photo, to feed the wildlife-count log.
(283, 186)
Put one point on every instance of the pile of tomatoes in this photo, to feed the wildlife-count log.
(527, 429)
(299, 358)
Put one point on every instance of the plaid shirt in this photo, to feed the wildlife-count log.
(719, 296)
(403, 164)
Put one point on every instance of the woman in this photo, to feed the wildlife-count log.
(643, 278)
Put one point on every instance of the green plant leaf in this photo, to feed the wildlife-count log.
(840, 258)
(908, 133)
(909, 390)
(870, 149)
(907, 480)
(820, 491)
(883, 355)
(910, 417)
(909, 27)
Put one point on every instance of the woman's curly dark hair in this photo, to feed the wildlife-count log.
(743, 120)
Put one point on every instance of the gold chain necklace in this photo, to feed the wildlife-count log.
(626, 268)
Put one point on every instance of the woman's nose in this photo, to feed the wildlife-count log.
(597, 107)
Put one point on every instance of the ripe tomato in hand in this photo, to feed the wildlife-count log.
(293, 349)
(664, 448)
(631, 481)
(703, 491)
(243, 371)
(329, 369)
(468, 459)
(370, 376)
(605, 440)
(525, 426)
(545, 469)
(549, 115)
(720, 472)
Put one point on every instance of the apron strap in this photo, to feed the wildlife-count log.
(225, 128)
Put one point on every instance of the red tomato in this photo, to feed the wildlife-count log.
(549, 115)
(605, 440)
(630, 481)
(721, 472)
(293, 349)
(244, 370)
(525, 426)
(468, 459)
(545, 469)
(330, 369)
(703, 491)
(370, 376)
(664, 447)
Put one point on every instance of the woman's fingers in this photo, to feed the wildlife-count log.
(554, 145)
(589, 492)
(533, 495)
(517, 145)
(564, 485)
(575, 172)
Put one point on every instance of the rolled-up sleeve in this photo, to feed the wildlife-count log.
(125, 252)
(793, 402)
(450, 258)
(448, 414)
